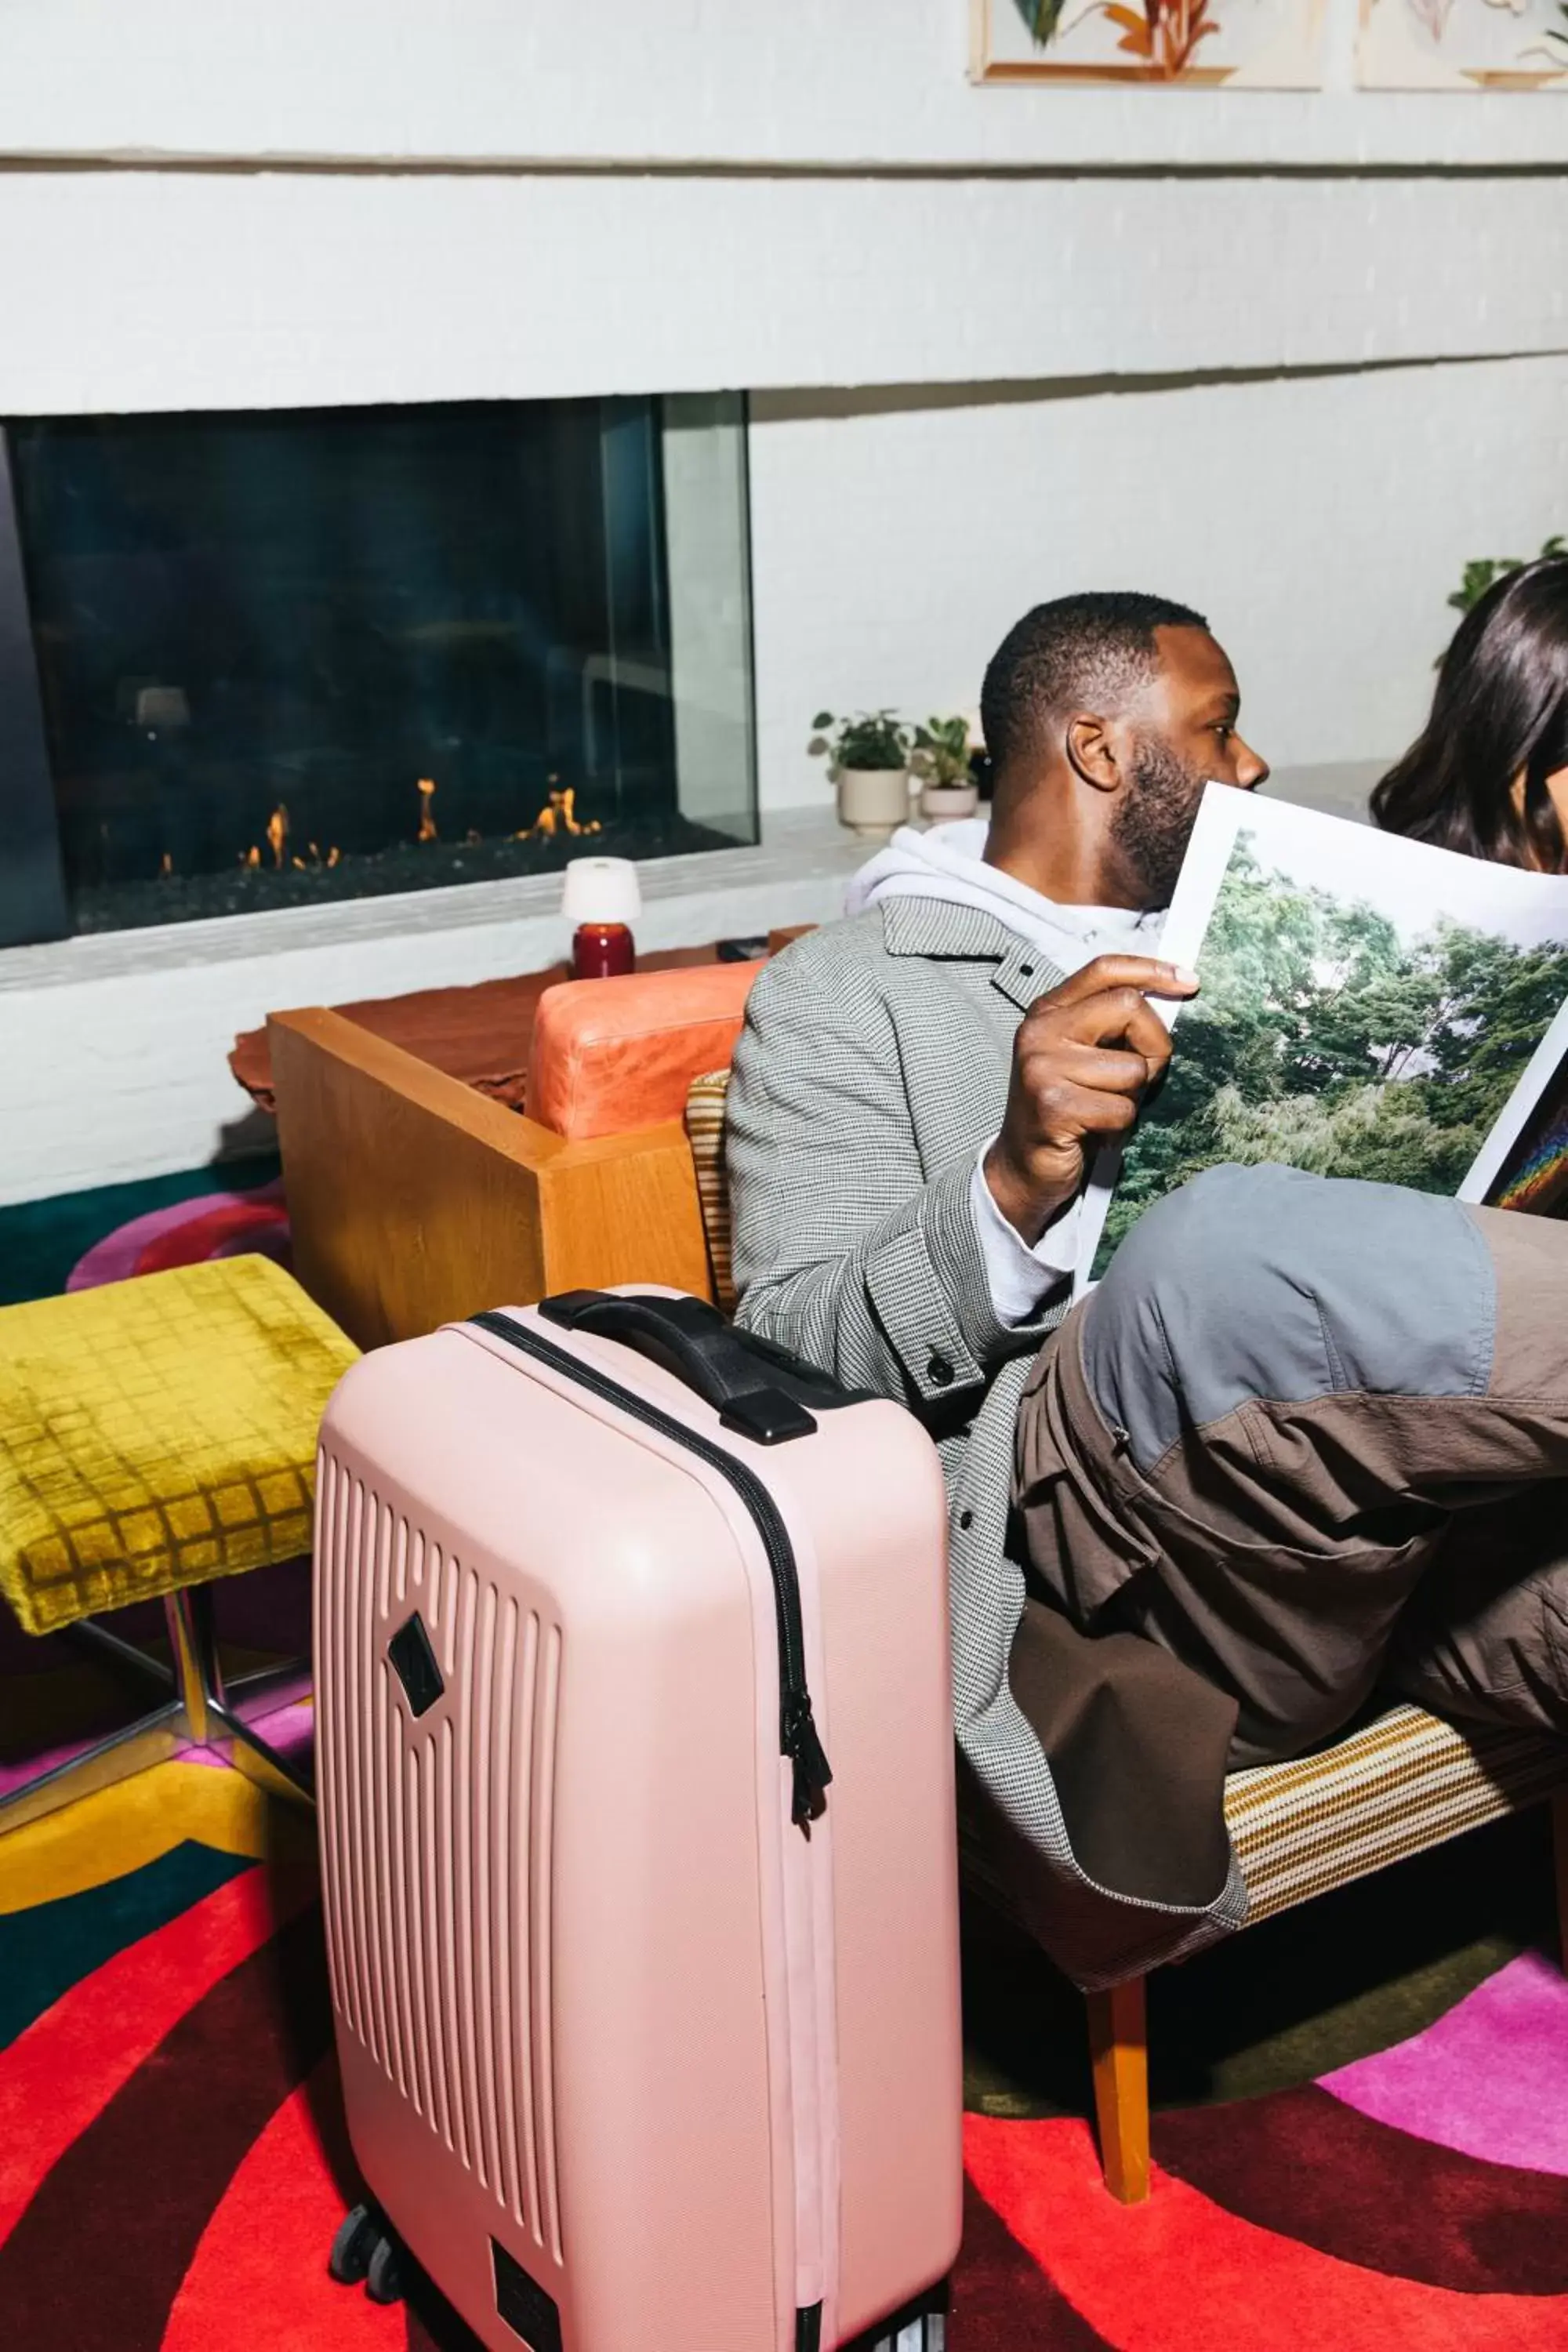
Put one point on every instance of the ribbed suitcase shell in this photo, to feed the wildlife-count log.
(558, 1944)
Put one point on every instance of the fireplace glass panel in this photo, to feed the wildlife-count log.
(298, 656)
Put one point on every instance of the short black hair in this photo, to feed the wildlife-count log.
(1066, 654)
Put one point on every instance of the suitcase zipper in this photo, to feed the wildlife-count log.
(797, 1727)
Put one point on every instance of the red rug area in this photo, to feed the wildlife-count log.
(173, 2161)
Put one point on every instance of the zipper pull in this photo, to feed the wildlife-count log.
(813, 1773)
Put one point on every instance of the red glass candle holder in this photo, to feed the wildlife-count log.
(602, 951)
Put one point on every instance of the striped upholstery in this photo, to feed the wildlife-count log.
(1401, 1784)
(705, 1131)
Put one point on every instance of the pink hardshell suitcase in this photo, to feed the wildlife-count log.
(636, 1808)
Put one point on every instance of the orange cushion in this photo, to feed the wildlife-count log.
(612, 1054)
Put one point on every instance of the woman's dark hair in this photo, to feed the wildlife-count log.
(1499, 712)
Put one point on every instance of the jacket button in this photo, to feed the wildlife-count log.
(966, 1518)
(940, 1373)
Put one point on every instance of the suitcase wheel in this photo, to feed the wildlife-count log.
(365, 2250)
(353, 2246)
(383, 2280)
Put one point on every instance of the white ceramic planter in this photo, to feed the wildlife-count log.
(873, 801)
(947, 803)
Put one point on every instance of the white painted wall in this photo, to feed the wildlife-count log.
(843, 81)
(161, 289)
(1319, 521)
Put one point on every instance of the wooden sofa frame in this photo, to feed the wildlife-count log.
(414, 1200)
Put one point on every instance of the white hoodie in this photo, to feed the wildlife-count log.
(948, 864)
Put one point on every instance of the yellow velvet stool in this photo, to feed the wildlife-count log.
(155, 1435)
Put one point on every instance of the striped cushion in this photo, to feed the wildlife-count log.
(1405, 1782)
(705, 1130)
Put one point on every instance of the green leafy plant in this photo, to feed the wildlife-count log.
(1042, 18)
(940, 755)
(871, 739)
(1486, 570)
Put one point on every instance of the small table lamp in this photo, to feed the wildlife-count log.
(601, 898)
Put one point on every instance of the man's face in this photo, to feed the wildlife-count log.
(1184, 734)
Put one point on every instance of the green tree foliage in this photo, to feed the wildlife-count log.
(1322, 1041)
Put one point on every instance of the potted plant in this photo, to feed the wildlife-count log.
(941, 760)
(869, 759)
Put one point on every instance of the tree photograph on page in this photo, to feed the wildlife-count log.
(1369, 1007)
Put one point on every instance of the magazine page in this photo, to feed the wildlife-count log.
(1369, 1006)
(1523, 1163)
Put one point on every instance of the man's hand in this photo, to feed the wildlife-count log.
(1081, 1060)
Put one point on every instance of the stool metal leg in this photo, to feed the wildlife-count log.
(87, 1634)
(196, 1716)
(212, 1723)
(189, 1641)
(151, 1741)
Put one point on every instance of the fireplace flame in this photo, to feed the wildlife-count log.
(427, 816)
(252, 857)
(167, 868)
(559, 814)
(278, 833)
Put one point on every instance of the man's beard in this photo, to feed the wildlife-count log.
(1154, 818)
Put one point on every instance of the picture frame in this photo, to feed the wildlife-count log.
(1165, 44)
(1463, 45)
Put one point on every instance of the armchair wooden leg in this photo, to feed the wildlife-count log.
(1560, 1849)
(1119, 2044)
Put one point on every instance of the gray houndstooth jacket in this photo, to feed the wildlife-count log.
(873, 1066)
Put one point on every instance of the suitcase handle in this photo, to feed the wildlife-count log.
(756, 1389)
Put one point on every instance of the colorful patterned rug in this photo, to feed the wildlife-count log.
(173, 2162)
(76, 1240)
(1364, 2140)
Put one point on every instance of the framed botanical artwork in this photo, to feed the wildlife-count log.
(1203, 44)
(1464, 45)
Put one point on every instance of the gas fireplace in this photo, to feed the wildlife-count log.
(264, 660)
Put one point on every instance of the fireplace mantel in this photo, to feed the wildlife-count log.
(116, 1043)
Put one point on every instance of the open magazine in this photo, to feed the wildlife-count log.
(1370, 1007)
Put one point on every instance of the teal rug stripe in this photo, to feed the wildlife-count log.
(47, 1949)
(40, 1241)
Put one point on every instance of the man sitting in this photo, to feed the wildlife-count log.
(1268, 1463)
